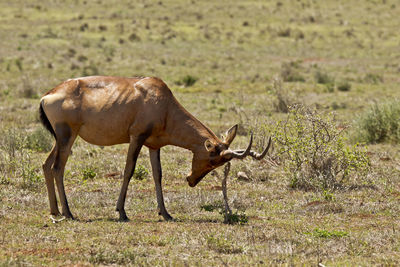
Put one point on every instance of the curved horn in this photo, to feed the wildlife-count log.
(262, 155)
(239, 154)
(258, 156)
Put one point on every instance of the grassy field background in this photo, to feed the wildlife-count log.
(227, 62)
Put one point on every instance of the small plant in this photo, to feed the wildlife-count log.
(284, 32)
(140, 172)
(39, 140)
(30, 176)
(380, 123)
(316, 157)
(212, 207)
(327, 234)
(232, 218)
(90, 70)
(12, 141)
(4, 180)
(88, 173)
(328, 196)
(323, 77)
(290, 72)
(344, 86)
(134, 37)
(27, 89)
(187, 81)
(235, 217)
(283, 99)
(373, 78)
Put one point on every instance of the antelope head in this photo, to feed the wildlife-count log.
(216, 153)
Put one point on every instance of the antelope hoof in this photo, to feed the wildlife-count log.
(68, 215)
(168, 217)
(123, 217)
(165, 215)
(55, 213)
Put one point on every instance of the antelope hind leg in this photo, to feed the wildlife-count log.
(49, 177)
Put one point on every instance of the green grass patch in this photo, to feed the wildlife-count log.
(321, 233)
(379, 123)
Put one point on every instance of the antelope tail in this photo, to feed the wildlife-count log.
(45, 121)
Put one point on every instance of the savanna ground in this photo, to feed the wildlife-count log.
(227, 62)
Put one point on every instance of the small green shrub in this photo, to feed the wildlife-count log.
(141, 173)
(39, 140)
(330, 87)
(90, 70)
(187, 81)
(328, 196)
(213, 206)
(290, 72)
(373, 78)
(235, 218)
(4, 180)
(314, 152)
(88, 173)
(31, 177)
(283, 97)
(13, 142)
(344, 86)
(323, 77)
(380, 123)
(283, 32)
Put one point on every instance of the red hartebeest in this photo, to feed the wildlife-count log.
(140, 111)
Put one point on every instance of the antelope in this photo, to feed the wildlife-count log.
(141, 111)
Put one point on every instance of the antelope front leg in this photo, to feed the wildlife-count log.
(228, 210)
(135, 145)
(157, 175)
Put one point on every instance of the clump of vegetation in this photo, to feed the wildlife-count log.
(322, 77)
(316, 156)
(290, 72)
(235, 218)
(31, 176)
(344, 86)
(321, 233)
(284, 32)
(187, 81)
(283, 98)
(140, 172)
(88, 173)
(134, 37)
(28, 90)
(39, 140)
(16, 165)
(380, 123)
(230, 218)
(373, 78)
(90, 70)
(213, 206)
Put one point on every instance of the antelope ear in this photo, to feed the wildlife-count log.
(230, 134)
(209, 145)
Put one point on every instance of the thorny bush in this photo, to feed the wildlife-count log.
(315, 153)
